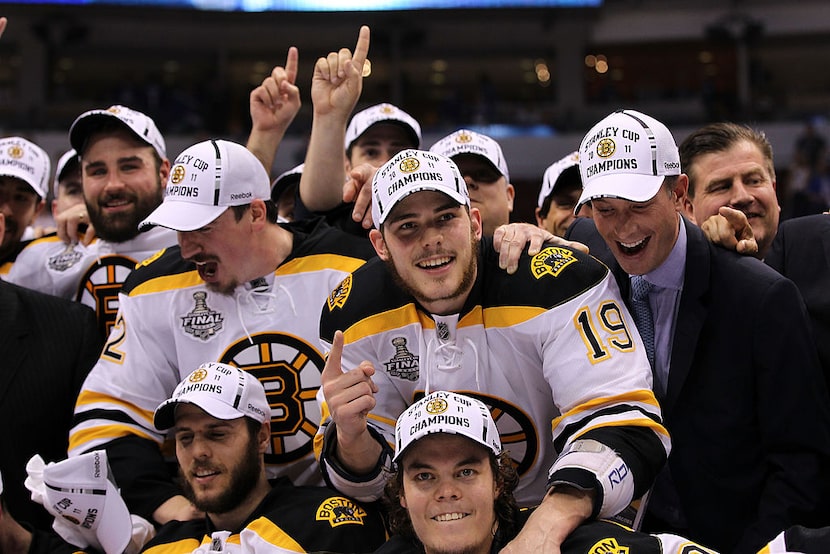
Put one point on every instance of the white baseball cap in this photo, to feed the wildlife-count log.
(285, 180)
(446, 412)
(414, 171)
(140, 124)
(382, 113)
(26, 161)
(465, 141)
(68, 161)
(205, 180)
(78, 490)
(223, 391)
(626, 155)
(552, 174)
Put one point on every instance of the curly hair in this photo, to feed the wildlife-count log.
(506, 508)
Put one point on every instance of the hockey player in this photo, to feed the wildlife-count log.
(452, 489)
(240, 289)
(551, 348)
(124, 169)
(220, 418)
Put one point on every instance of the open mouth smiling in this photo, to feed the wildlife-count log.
(631, 248)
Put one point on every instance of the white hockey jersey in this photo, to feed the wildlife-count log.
(550, 350)
(170, 323)
(91, 274)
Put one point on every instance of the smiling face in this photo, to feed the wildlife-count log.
(449, 491)
(429, 242)
(741, 178)
(220, 461)
(123, 182)
(641, 234)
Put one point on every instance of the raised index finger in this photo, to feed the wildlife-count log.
(332, 368)
(361, 49)
(291, 63)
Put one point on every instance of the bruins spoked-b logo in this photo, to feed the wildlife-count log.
(437, 406)
(606, 147)
(100, 285)
(463, 138)
(551, 261)
(408, 165)
(338, 510)
(177, 174)
(202, 322)
(289, 370)
(403, 364)
(15, 151)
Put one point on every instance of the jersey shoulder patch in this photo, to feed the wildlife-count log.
(368, 291)
(552, 277)
(167, 265)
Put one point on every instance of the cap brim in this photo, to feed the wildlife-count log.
(625, 186)
(115, 530)
(165, 415)
(182, 216)
(82, 128)
(25, 177)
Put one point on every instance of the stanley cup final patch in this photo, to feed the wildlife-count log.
(404, 364)
(202, 322)
(66, 259)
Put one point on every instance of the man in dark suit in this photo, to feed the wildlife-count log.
(47, 346)
(735, 366)
(801, 253)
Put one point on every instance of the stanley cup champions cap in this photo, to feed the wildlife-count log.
(139, 124)
(205, 180)
(382, 113)
(447, 412)
(78, 490)
(465, 141)
(26, 161)
(626, 155)
(413, 171)
(223, 391)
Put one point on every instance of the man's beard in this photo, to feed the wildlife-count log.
(244, 479)
(466, 279)
(123, 226)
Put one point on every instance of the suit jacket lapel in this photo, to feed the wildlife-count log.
(692, 312)
(13, 329)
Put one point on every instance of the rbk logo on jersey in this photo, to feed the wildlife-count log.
(202, 322)
(551, 261)
(403, 364)
(338, 510)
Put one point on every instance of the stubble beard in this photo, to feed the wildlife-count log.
(463, 286)
(243, 480)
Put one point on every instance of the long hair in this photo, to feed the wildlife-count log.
(506, 508)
